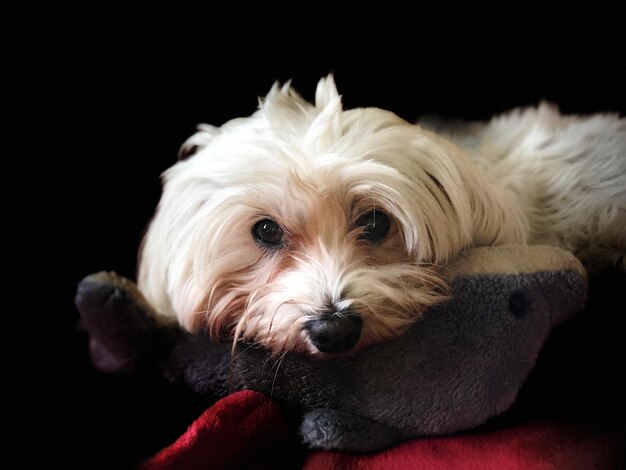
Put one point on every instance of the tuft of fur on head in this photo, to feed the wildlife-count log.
(314, 169)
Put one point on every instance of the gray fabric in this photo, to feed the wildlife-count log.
(461, 364)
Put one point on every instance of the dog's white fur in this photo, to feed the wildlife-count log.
(529, 176)
(566, 173)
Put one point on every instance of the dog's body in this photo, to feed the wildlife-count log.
(566, 173)
(318, 230)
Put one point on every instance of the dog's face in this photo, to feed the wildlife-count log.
(313, 229)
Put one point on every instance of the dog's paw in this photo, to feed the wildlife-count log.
(332, 429)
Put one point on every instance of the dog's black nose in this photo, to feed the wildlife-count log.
(335, 333)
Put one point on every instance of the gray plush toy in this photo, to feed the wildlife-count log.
(461, 364)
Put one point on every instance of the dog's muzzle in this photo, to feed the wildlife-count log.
(335, 333)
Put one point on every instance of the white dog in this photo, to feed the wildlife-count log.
(310, 228)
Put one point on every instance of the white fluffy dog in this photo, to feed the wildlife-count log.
(310, 228)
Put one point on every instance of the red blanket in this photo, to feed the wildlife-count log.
(248, 430)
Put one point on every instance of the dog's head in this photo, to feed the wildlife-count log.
(310, 228)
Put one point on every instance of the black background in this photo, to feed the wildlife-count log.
(100, 96)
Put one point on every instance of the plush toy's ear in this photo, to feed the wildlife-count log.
(195, 143)
(512, 259)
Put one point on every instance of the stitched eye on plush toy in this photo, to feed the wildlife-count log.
(375, 225)
(268, 233)
(518, 304)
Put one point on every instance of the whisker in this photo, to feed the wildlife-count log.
(278, 364)
(249, 346)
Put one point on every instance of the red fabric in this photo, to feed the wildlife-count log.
(243, 430)
(523, 447)
(248, 430)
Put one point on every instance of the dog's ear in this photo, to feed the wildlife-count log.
(496, 219)
(204, 134)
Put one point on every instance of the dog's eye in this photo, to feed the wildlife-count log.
(268, 233)
(375, 225)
